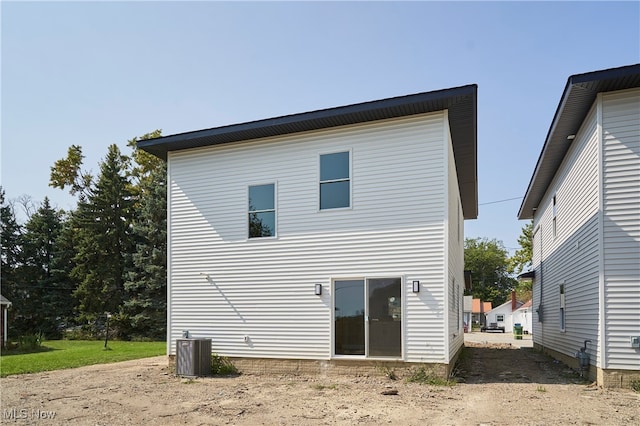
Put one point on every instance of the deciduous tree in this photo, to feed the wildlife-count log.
(488, 262)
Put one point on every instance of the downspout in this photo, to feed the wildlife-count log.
(540, 308)
(169, 258)
(445, 144)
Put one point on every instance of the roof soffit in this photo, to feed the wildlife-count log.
(579, 95)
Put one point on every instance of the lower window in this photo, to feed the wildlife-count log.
(368, 317)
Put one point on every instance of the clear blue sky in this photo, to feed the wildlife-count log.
(94, 74)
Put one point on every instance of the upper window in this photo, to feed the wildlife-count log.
(262, 211)
(500, 317)
(335, 182)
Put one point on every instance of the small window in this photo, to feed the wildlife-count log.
(554, 222)
(458, 222)
(335, 183)
(500, 317)
(262, 211)
(562, 308)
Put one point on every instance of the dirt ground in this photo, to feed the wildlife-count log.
(499, 384)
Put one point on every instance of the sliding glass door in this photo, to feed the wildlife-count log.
(368, 317)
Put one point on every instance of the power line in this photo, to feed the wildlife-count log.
(500, 201)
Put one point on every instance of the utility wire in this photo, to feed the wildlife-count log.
(500, 201)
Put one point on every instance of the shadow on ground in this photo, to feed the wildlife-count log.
(503, 363)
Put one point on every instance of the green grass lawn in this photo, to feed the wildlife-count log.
(59, 354)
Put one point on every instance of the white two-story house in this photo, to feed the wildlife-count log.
(584, 199)
(324, 240)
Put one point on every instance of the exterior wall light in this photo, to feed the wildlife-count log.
(416, 287)
(318, 289)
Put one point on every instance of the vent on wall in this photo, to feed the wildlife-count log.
(193, 357)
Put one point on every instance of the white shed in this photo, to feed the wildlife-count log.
(584, 199)
(503, 316)
(334, 235)
(524, 316)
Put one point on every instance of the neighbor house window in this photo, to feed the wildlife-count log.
(459, 224)
(335, 182)
(262, 211)
(554, 225)
(562, 310)
(500, 317)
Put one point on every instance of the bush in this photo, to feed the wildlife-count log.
(30, 342)
(222, 366)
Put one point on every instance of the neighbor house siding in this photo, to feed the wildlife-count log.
(621, 223)
(249, 295)
(570, 258)
(455, 257)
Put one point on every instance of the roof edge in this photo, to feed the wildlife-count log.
(617, 76)
(469, 89)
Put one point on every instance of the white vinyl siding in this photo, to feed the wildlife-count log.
(597, 249)
(455, 258)
(621, 225)
(263, 289)
(571, 256)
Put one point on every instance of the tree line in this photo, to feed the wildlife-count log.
(64, 270)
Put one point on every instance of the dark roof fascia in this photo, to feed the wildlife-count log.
(461, 103)
(529, 275)
(468, 282)
(579, 95)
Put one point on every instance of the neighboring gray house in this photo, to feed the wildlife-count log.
(584, 199)
(327, 238)
(467, 313)
(4, 320)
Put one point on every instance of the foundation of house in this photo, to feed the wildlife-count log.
(607, 378)
(335, 367)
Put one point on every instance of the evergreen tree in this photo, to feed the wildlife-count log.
(115, 241)
(10, 262)
(522, 259)
(146, 305)
(103, 239)
(146, 286)
(49, 287)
